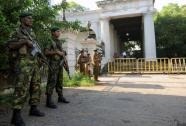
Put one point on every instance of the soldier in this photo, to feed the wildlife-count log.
(82, 60)
(89, 64)
(55, 55)
(96, 64)
(26, 68)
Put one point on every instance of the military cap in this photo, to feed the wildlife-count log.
(25, 14)
(53, 29)
(82, 50)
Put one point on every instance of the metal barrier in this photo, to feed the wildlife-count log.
(160, 65)
(142, 65)
(122, 65)
(178, 65)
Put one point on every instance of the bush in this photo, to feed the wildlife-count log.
(6, 100)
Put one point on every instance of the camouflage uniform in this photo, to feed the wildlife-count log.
(88, 65)
(97, 63)
(55, 76)
(26, 71)
(82, 60)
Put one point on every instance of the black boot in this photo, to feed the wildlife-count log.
(17, 119)
(61, 99)
(50, 103)
(35, 112)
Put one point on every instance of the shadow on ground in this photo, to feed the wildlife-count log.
(107, 108)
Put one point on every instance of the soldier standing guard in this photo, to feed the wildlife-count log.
(55, 55)
(82, 60)
(89, 64)
(26, 69)
(96, 64)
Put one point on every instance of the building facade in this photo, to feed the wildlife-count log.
(117, 21)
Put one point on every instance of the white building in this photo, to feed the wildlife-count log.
(119, 20)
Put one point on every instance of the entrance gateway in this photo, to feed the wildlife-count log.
(120, 20)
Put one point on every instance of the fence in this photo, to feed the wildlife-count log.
(142, 65)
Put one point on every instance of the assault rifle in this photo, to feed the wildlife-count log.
(37, 51)
(64, 64)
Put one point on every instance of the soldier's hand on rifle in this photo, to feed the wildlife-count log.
(29, 43)
(60, 53)
(26, 42)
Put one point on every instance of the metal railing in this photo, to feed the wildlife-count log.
(178, 65)
(142, 65)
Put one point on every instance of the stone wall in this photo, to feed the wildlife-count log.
(70, 46)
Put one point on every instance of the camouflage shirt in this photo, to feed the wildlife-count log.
(55, 45)
(21, 34)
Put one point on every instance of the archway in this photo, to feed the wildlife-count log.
(129, 36)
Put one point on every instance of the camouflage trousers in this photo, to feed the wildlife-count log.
(82, 68)
(27, 83)
(55, 79)
(96, 71)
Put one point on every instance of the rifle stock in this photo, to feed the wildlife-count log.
(64, 64)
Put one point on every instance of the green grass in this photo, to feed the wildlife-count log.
(78, 80)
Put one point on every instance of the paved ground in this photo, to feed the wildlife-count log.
(127, 100)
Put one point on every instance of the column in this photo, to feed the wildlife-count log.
(112, 41)
(94, 27)
(105, 37)
(149, 37)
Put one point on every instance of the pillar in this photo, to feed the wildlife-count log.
(149, 37)
(105, 37)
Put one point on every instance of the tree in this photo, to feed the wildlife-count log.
(64, 6)
(44, 17)
(9, 11)
(170, 27)
(75, 7)
(71, 7)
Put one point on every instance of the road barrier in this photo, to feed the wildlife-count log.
(142, 65)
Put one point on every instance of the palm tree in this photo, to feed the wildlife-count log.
(64, 6)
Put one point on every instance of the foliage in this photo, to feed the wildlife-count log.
(43, 14)
(75, 7)
(44, 17)
(6, 99)
(170, 27)
(9, 11)
(130, 45)
(77, 80)
(9, 19)
(70, 25)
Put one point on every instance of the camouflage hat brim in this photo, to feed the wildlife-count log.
(25, 14)
(53, 29)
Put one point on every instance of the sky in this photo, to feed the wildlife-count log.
(92, 3)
